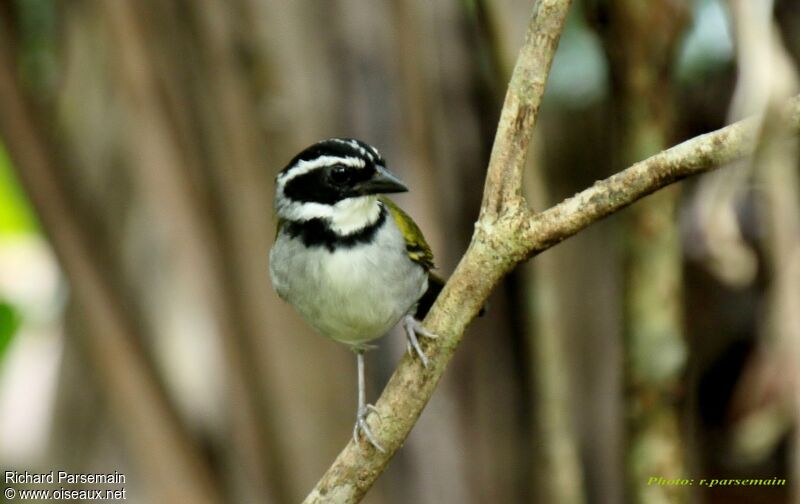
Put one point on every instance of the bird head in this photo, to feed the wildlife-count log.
(336, 180)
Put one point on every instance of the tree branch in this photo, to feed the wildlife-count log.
(697, 155)
(521, 107)
(506, 234)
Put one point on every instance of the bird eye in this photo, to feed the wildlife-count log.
(340, 174)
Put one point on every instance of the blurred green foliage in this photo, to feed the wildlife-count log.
(9, 323)
(579, 77)
(38, 43)
(15, 213)
(708, 45)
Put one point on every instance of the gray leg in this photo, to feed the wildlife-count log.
(413, 327)
(364, 409)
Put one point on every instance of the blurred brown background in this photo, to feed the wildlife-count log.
(139, 332)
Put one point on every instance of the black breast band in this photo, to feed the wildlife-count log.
(318, 233)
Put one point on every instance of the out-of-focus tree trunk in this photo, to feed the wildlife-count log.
(556, 472)
(122, 367)
(640, 39)
(588, 292)
(781, 214)
(768, 396)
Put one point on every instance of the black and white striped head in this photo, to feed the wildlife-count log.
(336, 180)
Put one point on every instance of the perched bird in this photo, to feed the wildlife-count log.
(347, 258)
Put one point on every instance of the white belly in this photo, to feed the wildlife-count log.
(352, 295)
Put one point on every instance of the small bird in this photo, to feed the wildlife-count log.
(346, 257)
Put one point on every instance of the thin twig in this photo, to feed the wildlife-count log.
(521, 107)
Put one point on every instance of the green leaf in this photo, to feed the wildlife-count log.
(15, 212)
(9, 323)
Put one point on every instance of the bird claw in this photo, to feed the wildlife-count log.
(373, 409)
(413, 327)
(361, 427)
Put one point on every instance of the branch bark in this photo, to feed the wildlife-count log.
(507, 233)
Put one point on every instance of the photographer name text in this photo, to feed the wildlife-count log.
(53, 477)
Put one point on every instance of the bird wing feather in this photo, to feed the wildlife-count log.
(418, 249)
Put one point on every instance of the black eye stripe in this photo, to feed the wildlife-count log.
(329, 171)
(313, 187)
(341, 174)
(321, 186)
(344, 174)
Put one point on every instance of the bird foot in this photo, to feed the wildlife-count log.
(413, 327)
(361, 426)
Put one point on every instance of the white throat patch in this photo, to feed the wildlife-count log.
(344, 217)
(352, 214)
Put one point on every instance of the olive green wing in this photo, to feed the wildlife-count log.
(418, 249)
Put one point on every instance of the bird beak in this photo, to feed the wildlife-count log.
(382, 182)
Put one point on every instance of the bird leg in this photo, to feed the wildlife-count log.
(412, 327)
(364, 409)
